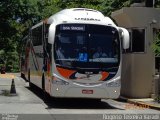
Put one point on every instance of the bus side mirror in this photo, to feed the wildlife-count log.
(125, 37)
(51, 36)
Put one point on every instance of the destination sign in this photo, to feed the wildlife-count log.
(73, 27)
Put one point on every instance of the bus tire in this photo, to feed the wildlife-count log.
(29, 75)
(30, 84)
(43, 85)
(43, 82)
(46, 96)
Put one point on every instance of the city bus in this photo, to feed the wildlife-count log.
(76, 53)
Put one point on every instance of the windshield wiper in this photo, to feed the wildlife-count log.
(110, 68)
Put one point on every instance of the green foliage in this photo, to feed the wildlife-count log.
(156, 45)
(47, 8)
(17, 17)
(157, 3)
(93, 4)
(157, 98)
(108, 6)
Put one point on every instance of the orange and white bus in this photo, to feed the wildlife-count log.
(76, 53)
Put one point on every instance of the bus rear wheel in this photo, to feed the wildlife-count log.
(45, 96)
(30, 84)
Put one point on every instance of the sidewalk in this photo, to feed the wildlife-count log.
(148, 102)
(7, 76)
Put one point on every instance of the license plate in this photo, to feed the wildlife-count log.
(87, 91)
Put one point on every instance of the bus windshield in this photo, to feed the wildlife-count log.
(81, 46)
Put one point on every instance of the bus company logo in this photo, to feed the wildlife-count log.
(87, 19)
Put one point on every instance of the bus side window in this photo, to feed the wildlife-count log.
(36, 36)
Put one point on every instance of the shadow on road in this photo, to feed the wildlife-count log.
(69, 103)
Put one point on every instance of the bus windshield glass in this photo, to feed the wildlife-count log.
(86, 46)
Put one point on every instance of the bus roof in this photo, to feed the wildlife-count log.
(80, 15)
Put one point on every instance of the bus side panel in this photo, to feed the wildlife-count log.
(25, 57)
(48, 78)
(36, 56)
(47, 60)
(36, 65)
(25, 60)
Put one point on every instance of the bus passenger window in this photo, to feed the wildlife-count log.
(99, 53)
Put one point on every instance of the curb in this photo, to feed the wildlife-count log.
(140, 103)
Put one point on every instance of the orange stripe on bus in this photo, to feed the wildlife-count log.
(48, 67)
(65, 72)
(104, 75)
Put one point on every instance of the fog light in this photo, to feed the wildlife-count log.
(57, 89)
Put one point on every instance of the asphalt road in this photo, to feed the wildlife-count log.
(29, 104)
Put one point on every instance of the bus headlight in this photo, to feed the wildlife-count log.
(58, 80)
(114, 83)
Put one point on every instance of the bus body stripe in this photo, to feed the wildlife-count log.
(65, 72)
(104, 75)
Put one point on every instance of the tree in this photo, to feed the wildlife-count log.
(92, 4)
(48, 8)
(156, 45)
(17, 17)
